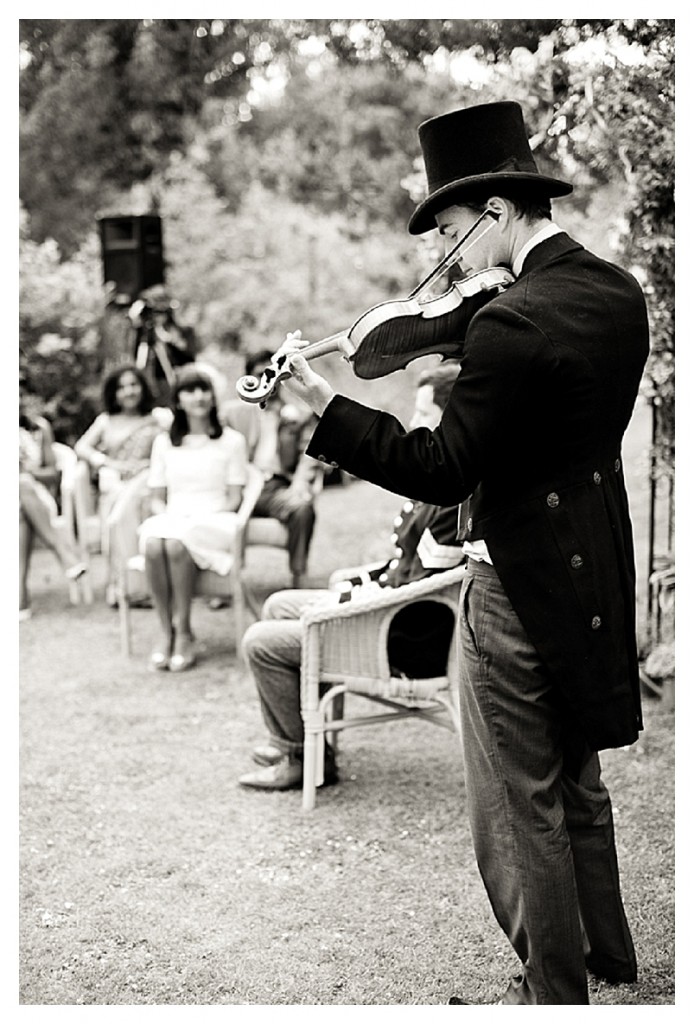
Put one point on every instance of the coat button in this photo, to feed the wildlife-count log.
(553, 499)
(334, 465)
(383, 578)
(617, 465)
(397, 521)
(596, 477)
(408, 506)
(596, 622)
(393, 563)
(321, 458)
(576, 562)
(469, 524)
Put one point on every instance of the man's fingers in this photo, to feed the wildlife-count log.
(299, 367)
(291, 344)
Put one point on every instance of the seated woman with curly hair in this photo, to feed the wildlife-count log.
(118, 447)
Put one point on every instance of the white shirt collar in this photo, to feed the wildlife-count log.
(540, 236)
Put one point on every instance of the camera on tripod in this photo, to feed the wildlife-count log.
(133, 263)
(160, 343)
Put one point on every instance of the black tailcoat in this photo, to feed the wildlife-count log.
(530, 447)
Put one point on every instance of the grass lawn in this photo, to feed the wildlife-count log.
(147, 876)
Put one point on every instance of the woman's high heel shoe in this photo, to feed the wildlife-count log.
(159, 661)
(75, 571)
(160, 658)
(181, 662)
(183, 659)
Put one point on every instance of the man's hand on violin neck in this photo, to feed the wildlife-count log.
(304, 383)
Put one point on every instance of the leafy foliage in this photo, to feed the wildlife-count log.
(621, 115)
(61, 307)
(283, 154)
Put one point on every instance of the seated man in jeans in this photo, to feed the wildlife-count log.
(424, 542)
(277, 437)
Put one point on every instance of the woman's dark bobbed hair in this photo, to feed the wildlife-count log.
(188, 377)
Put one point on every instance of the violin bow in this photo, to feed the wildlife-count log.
(453, 256)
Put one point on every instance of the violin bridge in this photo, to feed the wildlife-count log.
(346, 347)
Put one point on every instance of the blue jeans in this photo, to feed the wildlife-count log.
(272, 649)
(540, 816)
(299, 520)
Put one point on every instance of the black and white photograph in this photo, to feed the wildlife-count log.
(346, 577)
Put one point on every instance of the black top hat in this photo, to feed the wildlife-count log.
(466, 150)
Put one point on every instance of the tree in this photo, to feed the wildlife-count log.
(341, 140)
(619, 115)
(103, 103)
(168, 115)
(60, 311)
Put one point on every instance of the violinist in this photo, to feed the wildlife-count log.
(529, 448)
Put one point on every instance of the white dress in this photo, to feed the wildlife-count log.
(196, 476)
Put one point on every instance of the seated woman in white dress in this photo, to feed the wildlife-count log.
(196, 479)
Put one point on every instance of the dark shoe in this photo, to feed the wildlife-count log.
(624, 975)
(266, 755)
(288, 773)
(330, 776)
(463, 1002)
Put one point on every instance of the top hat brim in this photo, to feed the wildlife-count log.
(423, 218)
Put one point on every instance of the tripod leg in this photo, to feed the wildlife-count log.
(162, 355)
(141, 355)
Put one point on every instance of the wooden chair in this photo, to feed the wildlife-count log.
(132, 578)
(345, 646)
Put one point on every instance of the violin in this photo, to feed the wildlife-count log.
(390, 335)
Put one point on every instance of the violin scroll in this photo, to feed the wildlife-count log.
(251, 389)
(259, 389)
